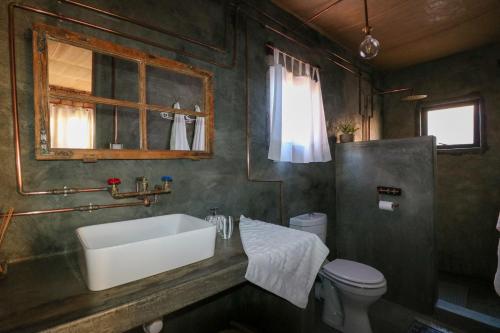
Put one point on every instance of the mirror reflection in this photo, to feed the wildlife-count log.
(95, 99)
(81, 125)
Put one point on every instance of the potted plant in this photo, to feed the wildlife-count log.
(347, 128)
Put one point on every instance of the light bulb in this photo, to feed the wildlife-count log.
(369, 47)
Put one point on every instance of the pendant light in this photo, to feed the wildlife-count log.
(369, 47)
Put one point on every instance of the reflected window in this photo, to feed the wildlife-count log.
(456, 125)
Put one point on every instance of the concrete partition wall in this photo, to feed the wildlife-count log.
(400, 243)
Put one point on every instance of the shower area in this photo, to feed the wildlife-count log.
(467, 193)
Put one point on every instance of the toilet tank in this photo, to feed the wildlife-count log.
(311, 222)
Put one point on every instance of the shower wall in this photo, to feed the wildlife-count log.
(399, 243)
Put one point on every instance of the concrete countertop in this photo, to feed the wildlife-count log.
(50, 295)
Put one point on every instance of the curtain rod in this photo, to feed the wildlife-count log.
(272, 47)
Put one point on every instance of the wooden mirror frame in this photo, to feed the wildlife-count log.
(42, 95)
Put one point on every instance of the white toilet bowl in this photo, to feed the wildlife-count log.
(349, 288)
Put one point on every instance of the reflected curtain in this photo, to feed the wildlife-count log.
(296, 114)
(72, 127)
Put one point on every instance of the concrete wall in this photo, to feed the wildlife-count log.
(198, 185)
(400, 243)
(468, 188)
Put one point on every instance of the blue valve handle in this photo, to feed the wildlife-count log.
(167, 179)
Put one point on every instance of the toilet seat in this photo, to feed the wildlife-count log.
(354, 274)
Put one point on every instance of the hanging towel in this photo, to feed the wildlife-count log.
(281, 260)
(496, 282)
(199, 132)
(178, 137)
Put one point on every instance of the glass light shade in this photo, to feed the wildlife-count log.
(369, 47)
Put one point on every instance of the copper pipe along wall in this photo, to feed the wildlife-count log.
(133, 37)
(115, 108)
(309, 48)
(316, 15)
(150, 26)
(392, 91)
(15, 119)
(11, 8)
(287, 28)
(13, 82)
(86, 208)
(248, 134)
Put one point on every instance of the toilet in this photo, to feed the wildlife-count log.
(347, 287)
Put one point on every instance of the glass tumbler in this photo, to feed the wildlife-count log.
(226, 228)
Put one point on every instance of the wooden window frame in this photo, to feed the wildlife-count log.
(475, 100)
(42, 96)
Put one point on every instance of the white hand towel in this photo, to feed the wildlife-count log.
(496, 283)
(199, 132)
(281, 260)
(178, 136)
(498, 222)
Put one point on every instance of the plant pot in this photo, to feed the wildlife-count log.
(346, 138)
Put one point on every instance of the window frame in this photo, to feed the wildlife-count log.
(476, 100)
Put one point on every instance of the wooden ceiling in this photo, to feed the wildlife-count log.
(409, 31)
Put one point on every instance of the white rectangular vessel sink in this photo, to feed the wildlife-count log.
(121, 252)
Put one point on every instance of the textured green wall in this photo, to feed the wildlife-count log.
(468, 188)
(198, 185)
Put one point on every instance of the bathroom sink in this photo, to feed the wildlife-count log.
(120, 252)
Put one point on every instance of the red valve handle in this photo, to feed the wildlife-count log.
(114, 181)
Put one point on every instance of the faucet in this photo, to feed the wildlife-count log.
(142, 190)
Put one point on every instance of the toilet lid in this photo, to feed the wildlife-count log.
(351, 271)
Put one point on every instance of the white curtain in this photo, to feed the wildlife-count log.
(296, 114)
(72, 127)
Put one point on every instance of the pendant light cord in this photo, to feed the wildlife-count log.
(367, 27)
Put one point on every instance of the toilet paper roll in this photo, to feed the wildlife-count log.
(387, 205)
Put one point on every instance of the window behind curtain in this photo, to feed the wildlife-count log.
(296, 113)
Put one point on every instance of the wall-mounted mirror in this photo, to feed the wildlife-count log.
(98, 100)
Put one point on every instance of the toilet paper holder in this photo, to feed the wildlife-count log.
(388, 190)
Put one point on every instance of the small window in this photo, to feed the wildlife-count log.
(457, 125)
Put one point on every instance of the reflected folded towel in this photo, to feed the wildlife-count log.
(498, 222)
(178, 136)
(199, 132)
(281, 260)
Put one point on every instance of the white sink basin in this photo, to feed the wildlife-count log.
(121, 252)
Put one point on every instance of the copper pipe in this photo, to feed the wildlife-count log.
(13, 82)
(124, 195)
(248, 134)
(151, 26)
(115, 108)
(5, 224)
(287, 28)
(392, 91)
(130, 36)
(86, 208)
(308, 48)
(15, 119)
(321, 12)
